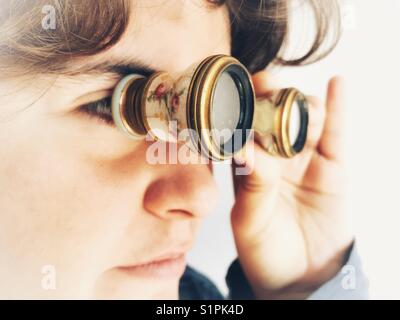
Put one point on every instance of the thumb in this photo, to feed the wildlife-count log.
(265, 83)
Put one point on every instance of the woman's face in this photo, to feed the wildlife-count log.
(79, 203)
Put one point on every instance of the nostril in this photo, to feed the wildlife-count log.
(180, 213)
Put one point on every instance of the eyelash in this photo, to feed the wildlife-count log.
(100, 109)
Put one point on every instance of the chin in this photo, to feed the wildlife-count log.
(115, 286)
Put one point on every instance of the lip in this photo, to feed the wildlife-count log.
(170, 266)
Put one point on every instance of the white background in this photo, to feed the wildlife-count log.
(368, 56)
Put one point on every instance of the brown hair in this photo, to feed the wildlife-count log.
(259, 31)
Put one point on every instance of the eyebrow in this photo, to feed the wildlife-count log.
(119, 68)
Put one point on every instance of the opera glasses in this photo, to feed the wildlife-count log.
(212, 108)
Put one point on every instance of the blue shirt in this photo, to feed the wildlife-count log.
(349, 283)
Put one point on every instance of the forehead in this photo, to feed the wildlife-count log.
(171, 35)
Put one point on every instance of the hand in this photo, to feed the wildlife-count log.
(289, 220)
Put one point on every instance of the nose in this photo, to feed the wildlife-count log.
(181, 192)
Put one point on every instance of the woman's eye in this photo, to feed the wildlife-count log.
(100, 109)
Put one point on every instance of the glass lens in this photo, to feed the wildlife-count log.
(298, 125)
(294, 122)
(225, 108)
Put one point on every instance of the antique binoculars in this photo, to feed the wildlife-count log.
(211, 107)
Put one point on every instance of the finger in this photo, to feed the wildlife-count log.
(265, 83)
(260, 170)
(331, 142)
(253, 168)
(254, 187)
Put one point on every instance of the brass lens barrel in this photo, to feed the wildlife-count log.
(201, 96)
(133, 114)
(124, 106)
(272, 122)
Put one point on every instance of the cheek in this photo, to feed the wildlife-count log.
(61, 205)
